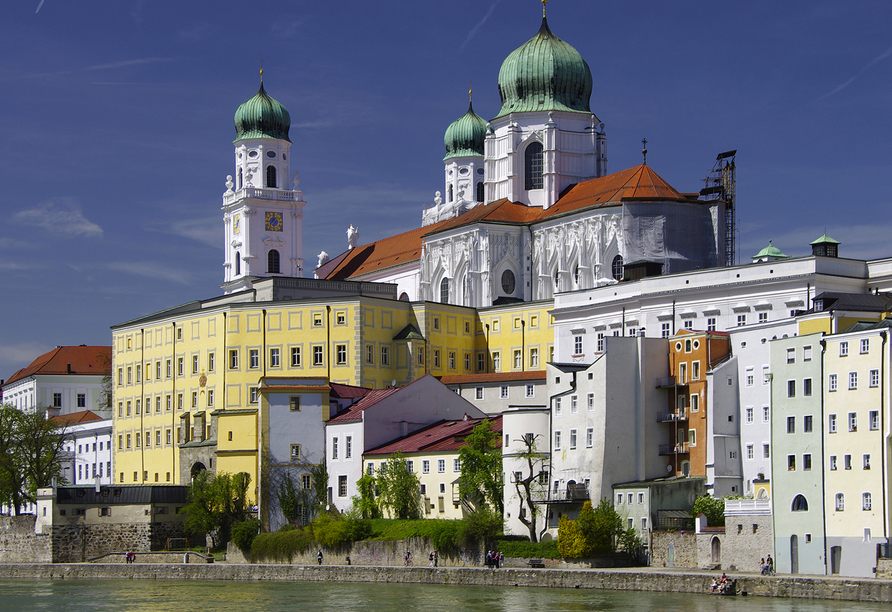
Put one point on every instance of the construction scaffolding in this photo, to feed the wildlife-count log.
(721, 184)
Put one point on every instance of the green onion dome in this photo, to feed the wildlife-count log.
(545, 74)
(262, 117)
(464, 136)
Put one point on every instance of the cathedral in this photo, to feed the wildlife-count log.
(528, 208)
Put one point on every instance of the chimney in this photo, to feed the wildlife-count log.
(404, 428)
(69, 368)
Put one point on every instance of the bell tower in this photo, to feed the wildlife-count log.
(262, 204)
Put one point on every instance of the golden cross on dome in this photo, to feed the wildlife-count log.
(544, 2)
(261, 70)
(470, 90)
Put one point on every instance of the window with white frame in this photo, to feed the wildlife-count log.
(531, 391)
(832, 382)
(664, 330)
(865, 501)
(741, 320)
(589, 437)
(847, 462)
(600, 342)
(496, 361)
(441, 466)
(557, 406)
(710, 324)
(763, 317)
(295, 356)
(557, 440)
(590, 402)
(840, 502)
(749, 414)
(574, 405)
(832, 463)
(806, 387)
(808, 423)
(791, 355)
(478, 393)
(853, 421)
(806, 353)
(334, 448)
(534, 358)
(577, 345)
(572, 439)
(865, 346)
(865, 461)
(874, 378)
(750, 377)
(253, 359)
(853, 380)
(766, 414)
(874, 420)
(426, 466)
(503, 392)
(831, 423)
(750, 452)
(843, 349)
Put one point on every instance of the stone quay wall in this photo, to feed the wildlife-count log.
(842, 589)
(673, 549)
(19, 544)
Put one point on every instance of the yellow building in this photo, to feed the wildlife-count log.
(432, 454)
(187, 380)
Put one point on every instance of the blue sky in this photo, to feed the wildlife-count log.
(116, 127)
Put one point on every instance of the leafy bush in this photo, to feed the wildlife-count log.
(281, 545)
(479, 526)
(244, 533)
(571, 541)
(712, 507)
(525, 549)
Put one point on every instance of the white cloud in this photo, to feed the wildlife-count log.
(206, 231)
(133, 62)
(62, 216)
(14, 357)
(151, 270)
(479, 25)
(878, 58)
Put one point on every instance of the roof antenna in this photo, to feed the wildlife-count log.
(644, 150)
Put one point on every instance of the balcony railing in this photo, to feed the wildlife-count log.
(669, 382)
(260, 194)
(565, 495)
(737, 507)
(672, 417)
(672, 449)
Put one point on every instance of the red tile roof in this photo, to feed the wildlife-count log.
(469, 379)
(640, 183)
(354, 412)
(380, 255)
(441, 436)
(83, 360)
(348, 391)
(84, 416)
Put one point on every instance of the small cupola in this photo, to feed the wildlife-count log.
(825, 246)
(769, 253)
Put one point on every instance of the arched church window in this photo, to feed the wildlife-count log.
(450, 193)
(238, 263)
(617, 267)
(480, 191)
(800, 504)
(272, 262)
(271, 176)
(532, 158)
(404, 297)
(576, 275)
(508, 282)
(239, 178)
(444, 291)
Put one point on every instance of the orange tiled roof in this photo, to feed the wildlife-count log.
(639, 183)
(381, 254)
(83, 360)
(441, 436)
(84, 416)
(466, 379)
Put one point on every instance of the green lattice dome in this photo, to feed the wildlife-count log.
(545, 74)
(262, 117)
(464, 136)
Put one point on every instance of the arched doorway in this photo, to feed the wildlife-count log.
(716, 548)
(197, 468)
(794, 554)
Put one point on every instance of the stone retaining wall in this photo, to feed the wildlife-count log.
(843, 589)
(19, 544)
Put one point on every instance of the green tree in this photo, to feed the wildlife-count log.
(481, 481)
(290, 498)
(216, 503)
(530, 483)
(31, 447)
(712, 507)
(399, 489)
(596, 531)
(366, 503)
(319, 474)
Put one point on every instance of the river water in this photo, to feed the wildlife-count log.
(217, 596)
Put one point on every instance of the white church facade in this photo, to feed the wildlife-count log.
(528, 208)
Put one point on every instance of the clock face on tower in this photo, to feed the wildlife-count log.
(273, 221)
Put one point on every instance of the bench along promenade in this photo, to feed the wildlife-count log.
(631, 579)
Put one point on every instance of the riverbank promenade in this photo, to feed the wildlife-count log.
(626, 579)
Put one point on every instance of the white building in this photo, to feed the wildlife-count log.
(88, 452)
(67, 379)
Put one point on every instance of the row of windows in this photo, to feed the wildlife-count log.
(750, 414)
(530, 391)
(145, 478)
(864, 347)
(873, 380)
(847, 462)
(852, 420)
(99, 473)
(425, 466)
(629, 497)
(574, 404)
(800, 504)
(140, 439)
(168, 372)
(81, 400)
(751, 451)
(589, 439)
